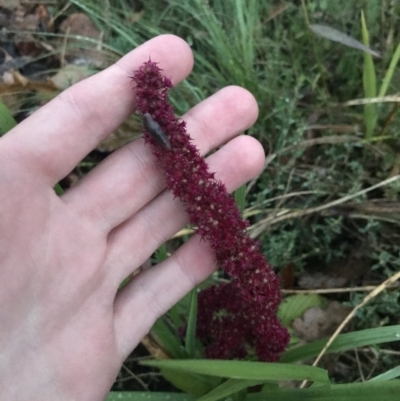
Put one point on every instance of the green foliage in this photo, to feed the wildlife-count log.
(169, 339)
(146, 396)
(227, 388)
(389, 375)
(344, 342)
(390, 72)
(240, 198)
(161, 253)
(198, 376)
(7, 121)
(58, 189)
(189, 382)
(345, 392)
(294, 306)
(244, 370)
(369, 79)
(190, 339)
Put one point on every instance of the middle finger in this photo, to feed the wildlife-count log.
(130, 178)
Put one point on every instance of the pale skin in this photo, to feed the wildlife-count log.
(65, 329)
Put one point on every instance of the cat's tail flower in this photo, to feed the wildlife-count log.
(233, 318)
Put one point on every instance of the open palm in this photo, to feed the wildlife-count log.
(65, 329)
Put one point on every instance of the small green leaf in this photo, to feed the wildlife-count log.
(178, 311)
(344, 342)
(58, 189)
(240, 198)
(294, 306)
(169, 340)
(244, 369)
(7, 121)
(161, 253)
(191, 325)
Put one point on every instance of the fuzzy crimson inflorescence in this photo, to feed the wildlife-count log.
(239, 317)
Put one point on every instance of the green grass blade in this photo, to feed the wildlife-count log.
(379, 391)
(389, 375)
(168, 339)
(244, 370)
(147, 396)
(185, 381)
(389, 73)
(333, 34)
(189, 382)
(7, 121)
(369, 80)
(228, 388)
(191, 326)
(387, 391)
(240, 198)
(161, 253)
(344, 342)
(58, 189)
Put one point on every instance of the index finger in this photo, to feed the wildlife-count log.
(55, 138)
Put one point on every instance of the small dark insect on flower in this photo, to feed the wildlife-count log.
(154, 129)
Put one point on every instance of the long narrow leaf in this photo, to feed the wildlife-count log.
(389, 73)
(191, 326)
(344, 342)
(244, 370)
(369, 80)
(385, 391)
(191, 383)
(240, 198)
(167, 339)
(389, 375)
(228, 388)
(333, 34)
(147, 396)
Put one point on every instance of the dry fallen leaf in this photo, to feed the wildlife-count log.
(81, 52)
(318, 322)
(70, 75)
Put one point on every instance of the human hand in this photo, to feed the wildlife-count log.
(65, 329)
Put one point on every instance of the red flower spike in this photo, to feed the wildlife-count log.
(234, 318)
